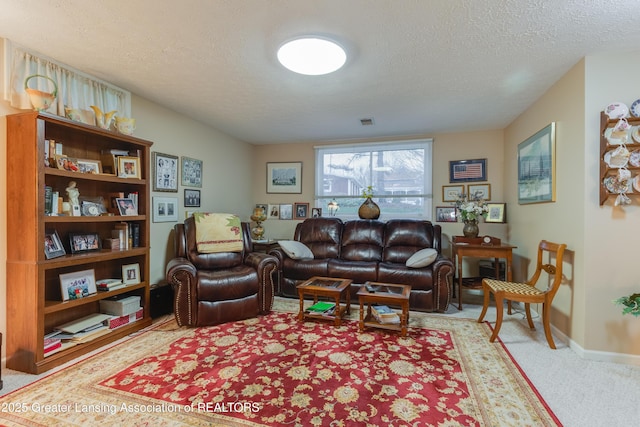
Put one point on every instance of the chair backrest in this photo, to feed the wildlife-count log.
(549, 250)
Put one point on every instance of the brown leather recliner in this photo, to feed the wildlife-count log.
(214, 288)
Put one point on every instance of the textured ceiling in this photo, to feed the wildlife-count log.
(415, 66)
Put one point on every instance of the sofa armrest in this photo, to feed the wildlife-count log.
(181, 274)
(267, 267)
(442, 282)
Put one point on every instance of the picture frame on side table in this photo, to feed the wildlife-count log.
(84, 242)
(284, 177)
(78, 284)
(479, 191)
(497, 213)
(537, 167)
(191, 198)
(165, 209)
(191, 172)
(273, 212)
(451, 193)
(446, 214)
(316, 212)
(300, 210)
(467, 170)
(286, 211)
(131, 274)
(165, 172)
(53, 247)
(128, 167)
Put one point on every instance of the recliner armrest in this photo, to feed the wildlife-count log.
(181, 274)
(268, 268)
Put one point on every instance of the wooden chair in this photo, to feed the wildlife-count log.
(527, 293)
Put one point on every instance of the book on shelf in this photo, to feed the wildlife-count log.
(119, 321)
(384, 314)
(321, 307)
(109, 284)
(51, 344)
(86, 323)
(48, 200)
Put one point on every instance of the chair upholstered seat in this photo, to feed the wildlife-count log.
(512, 287)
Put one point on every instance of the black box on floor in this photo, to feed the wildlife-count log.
(488, 269)
(161, 299)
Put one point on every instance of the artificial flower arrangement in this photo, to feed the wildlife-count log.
(631, 304)
(471, 207)
(367, 192)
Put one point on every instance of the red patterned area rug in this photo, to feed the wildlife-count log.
(275, 371)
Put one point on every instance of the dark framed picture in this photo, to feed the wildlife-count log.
(126, 206)
(316, 212)
(131, 274)
(537, 167)
(53, 245)
(284, 177)
(468, 170)
(497, 212)
(78, 284)
(191, 198)
(84, 242)
(128, 167)
(165, 172)
(300, 210)
(191, 172)
(446, 214)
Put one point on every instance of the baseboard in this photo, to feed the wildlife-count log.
(600, 356)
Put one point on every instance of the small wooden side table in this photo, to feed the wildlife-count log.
(329, 287)
(384, 294)
(480, 247)
(264, 245)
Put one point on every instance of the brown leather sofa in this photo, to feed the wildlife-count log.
(370, 250)
(213, 288)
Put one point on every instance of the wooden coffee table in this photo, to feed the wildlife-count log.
(329, 287)
(384, 294)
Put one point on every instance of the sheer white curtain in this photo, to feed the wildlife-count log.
(75, 89)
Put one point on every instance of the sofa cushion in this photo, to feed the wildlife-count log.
(403, 237)
(362, 240)
(422, 258)
(321, 235)
(296, 250)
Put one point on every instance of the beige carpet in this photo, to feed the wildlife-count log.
(501, 395)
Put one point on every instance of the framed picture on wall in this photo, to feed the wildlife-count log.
(191, 172)
(165, 209)
(165, 172)
(284, 177)
(537, 167)
(191, 198)
(468, 170)
(300, 210)
(479, 191)
(446, 214)
(450, 193)
(497, 212)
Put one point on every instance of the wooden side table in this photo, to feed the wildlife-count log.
(384, 294)
(264, 245)
(480, 247)
(329, 287)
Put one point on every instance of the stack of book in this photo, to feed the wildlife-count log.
(384, 314)
(109, 284)
(324, 308)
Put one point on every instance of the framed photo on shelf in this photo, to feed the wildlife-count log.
(316, 212)
(286, 211)
(78, 284)
(467, 170)
(497, 212)
(446, 214)
(84, 242)
(300, 210)
(128, 167)
(90, 166)
(284, 177)
(450, 193)
(131, 274)
(273, 212)
(537, 167)
(165, 209)
(480, 191)
(53, 245)
(126, 206)
(191, 172)
(165, 172)
(191, 198)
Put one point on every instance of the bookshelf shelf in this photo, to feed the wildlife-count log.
(34, 297)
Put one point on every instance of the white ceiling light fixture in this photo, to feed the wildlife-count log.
(312, 56)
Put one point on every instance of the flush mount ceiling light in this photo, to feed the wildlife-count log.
(312, 56)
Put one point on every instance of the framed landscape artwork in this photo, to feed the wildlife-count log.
(537, 167)
(284, 177)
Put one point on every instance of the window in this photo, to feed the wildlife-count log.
(398, 172)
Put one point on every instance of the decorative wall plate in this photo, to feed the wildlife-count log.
(616, 110)
(635, 108)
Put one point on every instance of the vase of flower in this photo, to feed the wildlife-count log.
(369, 210)
(470, 228)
